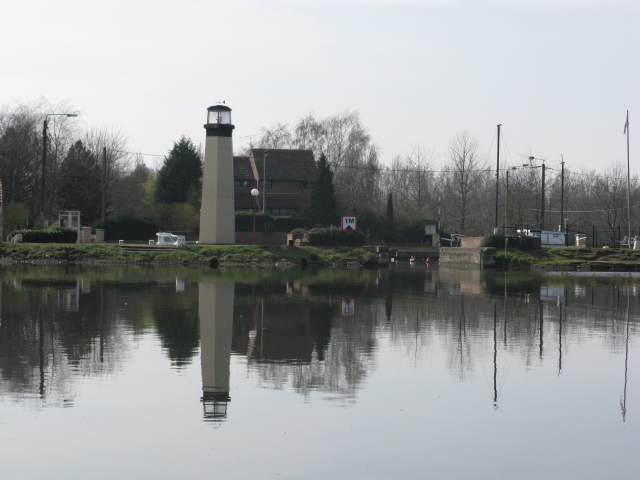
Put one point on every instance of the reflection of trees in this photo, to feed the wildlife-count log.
(320, 321)
(460, 313)
(290, 326)
(460, 350)
(466, 318)
(176, 318)
(300, 339)
(46, 341)
(55, 330)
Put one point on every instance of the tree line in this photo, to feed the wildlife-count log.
(456, 188)
(79, 165)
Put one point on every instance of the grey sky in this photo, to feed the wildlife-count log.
(558, 75)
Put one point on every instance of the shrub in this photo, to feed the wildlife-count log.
(506, 259)
(332, 236)
(298, 233)
(268, 223)
(176, 217)
(519, 242)
(128, 227)
(48, 235)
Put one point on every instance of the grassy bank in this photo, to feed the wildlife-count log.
(570, 258)
(546, 258)
(192, 254)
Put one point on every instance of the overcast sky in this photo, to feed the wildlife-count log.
(559, 75)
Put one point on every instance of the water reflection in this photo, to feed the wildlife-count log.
(301, 331)
(216, 320)
(414, 373)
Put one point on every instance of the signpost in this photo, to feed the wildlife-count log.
(349, 223)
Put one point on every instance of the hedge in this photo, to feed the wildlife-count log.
(130, 228)
(333, 236)
(267, 223)
(498, 241)
(48, 235)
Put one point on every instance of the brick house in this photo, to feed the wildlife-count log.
(288, 176)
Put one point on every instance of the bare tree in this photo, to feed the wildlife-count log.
(347, 146)
(611, 196)
(412, 181)
(119, 160)
(278, 136)
(129, 195)
(310, 134)
(21, 154)
(464, 174)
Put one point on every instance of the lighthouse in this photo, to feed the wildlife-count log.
(217, 220)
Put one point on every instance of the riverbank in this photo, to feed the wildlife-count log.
(570, 258)
(191, 255)
(268, 255)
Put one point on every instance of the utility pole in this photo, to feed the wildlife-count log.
(264, 182)
(497, 177)
(104, 186)
(45, 124)
(544, 168)
(542, 200)
(562, 222)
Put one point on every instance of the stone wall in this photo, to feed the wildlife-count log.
(471, 242)
(480, 257)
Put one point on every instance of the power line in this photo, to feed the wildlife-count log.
(138, 153)
(384, 169)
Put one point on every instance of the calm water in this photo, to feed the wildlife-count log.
(123, 372)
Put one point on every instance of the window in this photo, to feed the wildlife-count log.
(242, 183)
(281, 211)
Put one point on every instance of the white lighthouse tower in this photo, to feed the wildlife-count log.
(217, 220)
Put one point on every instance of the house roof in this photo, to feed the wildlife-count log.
(284, 164)
(242, 169)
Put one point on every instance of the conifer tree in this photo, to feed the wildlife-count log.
(179, 178)
(321, 206)
(389, 221)
(79, 183)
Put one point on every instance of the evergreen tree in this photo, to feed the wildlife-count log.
(79, 183)
(179, 179)
(321, 206)
(389, 221)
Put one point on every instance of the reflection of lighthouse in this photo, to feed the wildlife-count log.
(216, 320)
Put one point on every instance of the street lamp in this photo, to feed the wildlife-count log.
(542, 195)
(44, 157)
(254, 192)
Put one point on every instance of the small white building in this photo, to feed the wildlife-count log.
(548, 238)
